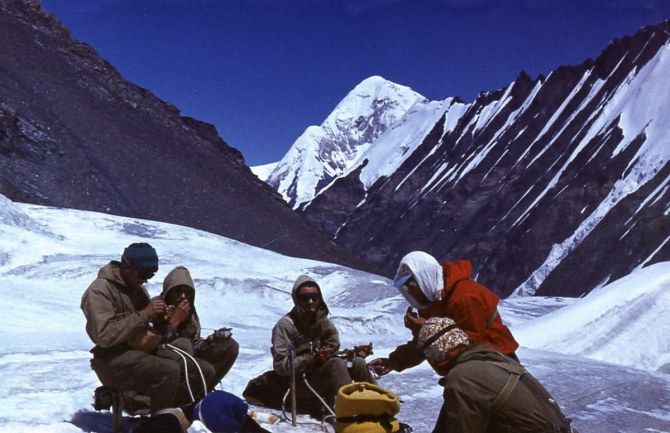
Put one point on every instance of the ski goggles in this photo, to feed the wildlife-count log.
(401, 281)
(146, 273)
(304, 298)
(409, 288)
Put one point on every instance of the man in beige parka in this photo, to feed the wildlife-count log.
(118, 313)
(313, 337)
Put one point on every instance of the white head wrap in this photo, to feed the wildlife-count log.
(427, 272)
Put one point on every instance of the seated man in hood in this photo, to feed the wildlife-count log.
(180, 326)
(306, 335)
(445, 291)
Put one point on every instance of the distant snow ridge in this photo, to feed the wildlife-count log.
(324, 152)
(12, 216)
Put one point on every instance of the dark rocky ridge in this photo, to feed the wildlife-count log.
(480, 216)
(74, 133)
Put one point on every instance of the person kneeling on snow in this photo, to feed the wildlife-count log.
(484, 390)
(306, 339)
(180, 326)
(445, 291)
(126, 355)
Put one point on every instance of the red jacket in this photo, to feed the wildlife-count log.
(470, 305)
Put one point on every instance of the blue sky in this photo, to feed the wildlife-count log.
(262, 71)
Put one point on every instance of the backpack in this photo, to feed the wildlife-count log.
(272, 390)
(364, 407)
(267, 390)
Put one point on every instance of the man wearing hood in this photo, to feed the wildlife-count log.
(180, 326)
(308, 331)
(445, 291)
(118, 314)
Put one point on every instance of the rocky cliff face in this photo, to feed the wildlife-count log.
(550, 186)
(75, 134)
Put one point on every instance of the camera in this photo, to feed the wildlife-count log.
(223, 333)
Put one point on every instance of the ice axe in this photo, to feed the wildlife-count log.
(291, 350)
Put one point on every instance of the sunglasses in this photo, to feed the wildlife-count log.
(145, 273)
(401, 281)
(304, 298)
(183, 289)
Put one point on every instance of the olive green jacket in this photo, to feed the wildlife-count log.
(477, 377)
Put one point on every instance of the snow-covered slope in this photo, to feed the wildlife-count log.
(609, 321)
(49, 256)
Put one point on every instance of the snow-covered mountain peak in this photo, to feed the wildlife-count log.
(369, 97)
(324, 152)
(542, 172)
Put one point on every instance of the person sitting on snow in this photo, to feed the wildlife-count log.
(180, 326)
(126, 356)
(307, 334)
(484, 390)
(445, 291)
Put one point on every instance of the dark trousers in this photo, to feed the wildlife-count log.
(161, 377)
(198, 372)
(221, 355)
(328, 379)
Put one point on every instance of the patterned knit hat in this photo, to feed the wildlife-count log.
(362, 407)
(438, 338)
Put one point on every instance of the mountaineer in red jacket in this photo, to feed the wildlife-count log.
(445, 291)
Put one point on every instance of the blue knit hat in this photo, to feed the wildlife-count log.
(140, 255)
(221, 412)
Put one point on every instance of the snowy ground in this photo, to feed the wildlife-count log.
(602, 356)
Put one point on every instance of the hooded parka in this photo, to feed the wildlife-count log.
(296, 330)
(190, 329)
(114, 312)
(221, 354)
